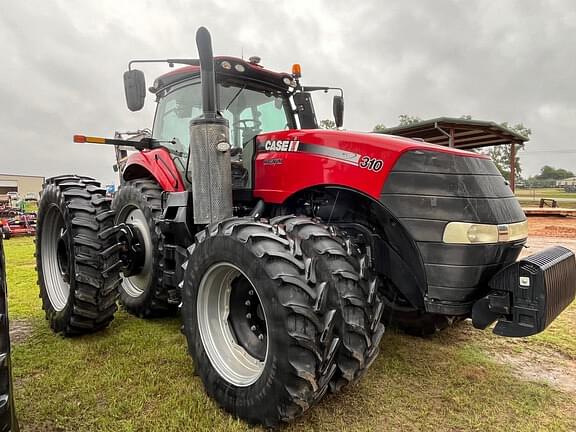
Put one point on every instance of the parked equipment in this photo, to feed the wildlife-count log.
(288, 247)
(14, 222)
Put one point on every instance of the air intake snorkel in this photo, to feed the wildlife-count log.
(209, 148)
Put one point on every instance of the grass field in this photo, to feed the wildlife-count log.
(137, 376)
(531, 197)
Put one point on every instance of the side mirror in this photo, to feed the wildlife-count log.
(135, 89)
(338, 110)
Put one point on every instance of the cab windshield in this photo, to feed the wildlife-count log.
(248, 112)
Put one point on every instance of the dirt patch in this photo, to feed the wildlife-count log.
(552, 226)
(538, 243)
(550, 367)
(20, 330)
(544, 365)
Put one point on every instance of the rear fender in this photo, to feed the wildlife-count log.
(158, 164)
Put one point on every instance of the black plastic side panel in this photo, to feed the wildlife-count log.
(428, 161)
(459, 209)
(452, 185)
(7, 413)
(426, 190)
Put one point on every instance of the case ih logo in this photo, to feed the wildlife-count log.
(280, 145)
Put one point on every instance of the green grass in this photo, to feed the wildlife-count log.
(545, 193)
(31, 206)
(531, 197)
(137, 376)
(561, 335)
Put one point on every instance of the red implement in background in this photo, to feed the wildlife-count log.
(14, 223)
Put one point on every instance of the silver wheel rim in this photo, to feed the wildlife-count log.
(137, 284)
(232, 362)
(54, 252)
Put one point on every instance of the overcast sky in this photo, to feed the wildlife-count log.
(62, 64)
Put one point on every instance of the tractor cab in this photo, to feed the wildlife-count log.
(252, 99)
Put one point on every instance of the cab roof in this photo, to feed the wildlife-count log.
(230, 69)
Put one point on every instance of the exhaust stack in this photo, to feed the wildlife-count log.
(204, 44)
(209, 147)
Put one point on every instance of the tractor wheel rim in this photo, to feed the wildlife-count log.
(135, 285)
(219, 321)
(55, 254)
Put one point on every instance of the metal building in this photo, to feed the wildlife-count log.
(23, 185)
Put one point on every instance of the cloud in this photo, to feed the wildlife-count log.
(503, 61)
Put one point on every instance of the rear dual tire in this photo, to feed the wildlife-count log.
(138, 203)
(78, 295)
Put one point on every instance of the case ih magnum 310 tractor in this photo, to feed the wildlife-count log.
(286, 248)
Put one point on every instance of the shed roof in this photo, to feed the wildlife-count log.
(467, 134)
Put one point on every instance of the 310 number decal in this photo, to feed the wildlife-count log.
(372, 164)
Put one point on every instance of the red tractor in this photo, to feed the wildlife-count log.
(287, 248)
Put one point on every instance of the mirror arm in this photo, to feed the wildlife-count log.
(171, 62)
(322, 88)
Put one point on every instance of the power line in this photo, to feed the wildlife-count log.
(550, 151)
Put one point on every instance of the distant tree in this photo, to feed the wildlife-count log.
(403, 120)
(502, 155)
(466, 117)
(327, 124)
(407, 120)
(379, 128)
(519, 128)
(549, 173)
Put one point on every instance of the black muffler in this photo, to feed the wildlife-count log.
(204, 44)
(209, 167)
(528, 295)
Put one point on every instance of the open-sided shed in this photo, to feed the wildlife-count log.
(462, 134)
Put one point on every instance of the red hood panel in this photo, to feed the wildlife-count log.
(358, 140)
(293, 160)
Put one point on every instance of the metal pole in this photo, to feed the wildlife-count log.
(442, 131)
(451, 140)
(513, 167)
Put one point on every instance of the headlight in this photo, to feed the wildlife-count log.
(469, 233)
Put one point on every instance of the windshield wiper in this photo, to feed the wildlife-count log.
(234, 98)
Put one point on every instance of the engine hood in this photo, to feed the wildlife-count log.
(293, 160)
(353, 141)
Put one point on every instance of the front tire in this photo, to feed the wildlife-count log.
(285, 367)
(399, 313)
(78, 285)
